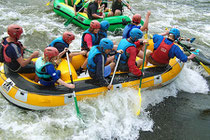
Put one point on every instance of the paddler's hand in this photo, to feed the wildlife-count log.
(35, 54)
(71, 86)
(83, 52)
(120, 51)
(109, 87)
(148, 13)
(145, 41)
(191, 56)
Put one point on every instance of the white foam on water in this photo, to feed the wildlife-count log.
(107, 117)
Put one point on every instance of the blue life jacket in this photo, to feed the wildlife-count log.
(94, 39)
(60, 40)
(40, 68)
(123, 45)
(91, 64)
(101, 35)
(127, 29)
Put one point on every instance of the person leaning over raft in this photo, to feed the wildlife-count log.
(96, 62)
(117, 8)
(89, 39)
(13, 51)
(92, 10)
(165, 49)
(131, 48)
(45, 69)
(136, 20)
(62, 44)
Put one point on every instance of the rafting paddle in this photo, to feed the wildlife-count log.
(75, 98)
(115, 69)
(71, 18)
(204, 66)
(49, 3)
(28, 50)
(131, 9)
(142, 70)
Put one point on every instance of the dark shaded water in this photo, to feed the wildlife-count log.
(185, 117)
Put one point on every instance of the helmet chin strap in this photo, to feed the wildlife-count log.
(131, 40)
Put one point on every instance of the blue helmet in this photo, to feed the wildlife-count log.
(105, 25)
(136, 34)
(175, 32)
(105, 44)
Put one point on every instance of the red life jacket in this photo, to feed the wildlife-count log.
(7, 58)
(161, 54)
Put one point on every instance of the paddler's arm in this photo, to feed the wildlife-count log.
(146, 22)
(132, 61)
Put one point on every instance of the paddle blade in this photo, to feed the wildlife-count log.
(76, 107)
(205, 67)
(139, 109)
(192, 39)
(68, 22)
(48, 3)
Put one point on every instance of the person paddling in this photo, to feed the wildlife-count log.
(45, 69)
(136, 20)
(131, 48)
(89, 39)
(13, 51)
(165, 49)
(96, 62)
(62, 44)
(92, 10)
(117, 8)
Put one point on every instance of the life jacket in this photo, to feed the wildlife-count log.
(40, 68)
(160, 55)
(94, 40)
(80, 4)
(7, 59)
(127, 29)
(101, 35)
(123, 45)
(58, 40)
(91, 64)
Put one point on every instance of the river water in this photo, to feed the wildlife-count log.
(180, 110)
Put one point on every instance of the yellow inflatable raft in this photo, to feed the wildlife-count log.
(21, 90)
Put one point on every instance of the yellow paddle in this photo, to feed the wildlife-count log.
(48, 3)
(142, 70)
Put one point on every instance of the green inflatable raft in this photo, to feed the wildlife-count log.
(82, 20)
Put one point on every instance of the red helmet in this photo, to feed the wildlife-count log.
(95, 24)
(68, 36)
(14, 31)
(136, 18)
(50, 52)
